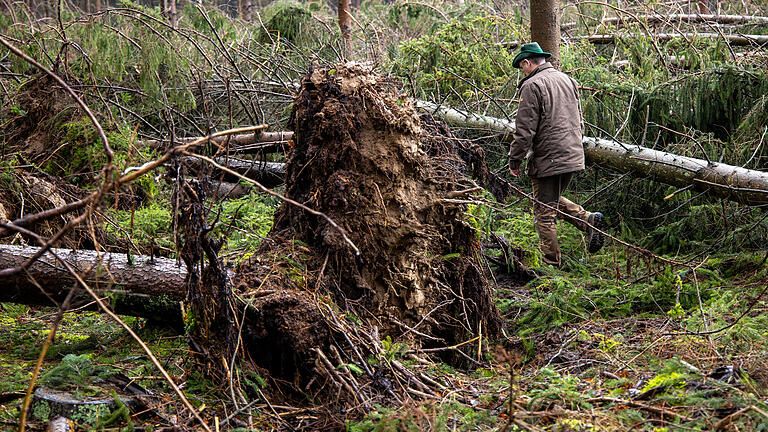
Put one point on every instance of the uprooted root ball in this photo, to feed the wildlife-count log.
(363, 157)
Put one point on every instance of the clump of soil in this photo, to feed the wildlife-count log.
(364, 158)
(23, 193)
(36, 115)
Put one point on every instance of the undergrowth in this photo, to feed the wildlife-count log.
(612, 324)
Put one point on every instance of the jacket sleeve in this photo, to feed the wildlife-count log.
(526, 124)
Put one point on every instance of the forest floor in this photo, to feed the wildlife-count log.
(625, 339)
(611, 341)
(581, 368)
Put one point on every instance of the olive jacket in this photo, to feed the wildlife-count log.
(548, 127)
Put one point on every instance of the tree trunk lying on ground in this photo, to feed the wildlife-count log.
(733, 39)
(240, 143)
(269, 174)
(220, 190)
(734, 183)
(691, 18)
(149, 288)
(725, 181)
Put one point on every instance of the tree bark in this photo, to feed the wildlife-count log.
(173, 18)
(688, 18)
(266, 142)
(225, 190)
(244, 9)
(345, 25)
(703, 6)
(733, 39)
(269, 174)
(734, 183)
(149, 288)
(545, 27)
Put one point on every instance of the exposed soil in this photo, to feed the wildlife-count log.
(38, 109)
(22, 193)
(364, 158)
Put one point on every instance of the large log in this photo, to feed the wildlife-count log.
(689, 18)
(733, 39)
(145, 287)
(721, 180)
(269, 174)
(259, 141)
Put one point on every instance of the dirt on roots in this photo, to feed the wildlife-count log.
(394, 185)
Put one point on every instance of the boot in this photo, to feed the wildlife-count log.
(594, 238)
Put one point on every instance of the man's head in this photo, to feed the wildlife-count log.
(530, 57)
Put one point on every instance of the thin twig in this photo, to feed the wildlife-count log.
(280, 196)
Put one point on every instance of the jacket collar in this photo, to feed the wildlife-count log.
(541, 67)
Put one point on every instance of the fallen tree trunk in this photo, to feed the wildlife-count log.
(691, 18)
(144, 287)
(259, 141)
(734, 183)
(269, 174)
(733, 39)
(225, 190)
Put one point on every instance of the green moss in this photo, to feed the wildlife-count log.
(41, 410)
(245, 222)
(440, 417)
(90, 415)
(147, 225)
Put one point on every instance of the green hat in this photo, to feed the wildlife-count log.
(527, 51)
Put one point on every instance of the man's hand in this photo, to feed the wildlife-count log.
(514, 168)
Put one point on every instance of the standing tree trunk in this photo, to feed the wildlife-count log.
(172, 14)
(169, 10)
(345, 25)
(703, 6)
(244, 11)
(545, 27)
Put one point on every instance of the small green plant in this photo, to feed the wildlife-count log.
(439, 417)
(393, 349)
(246, 221)
(17, 111)
(75, 371)
(147, 226)
(552, 387)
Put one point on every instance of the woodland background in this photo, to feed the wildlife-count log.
(665, 329)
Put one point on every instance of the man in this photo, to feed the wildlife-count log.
(548, 132)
